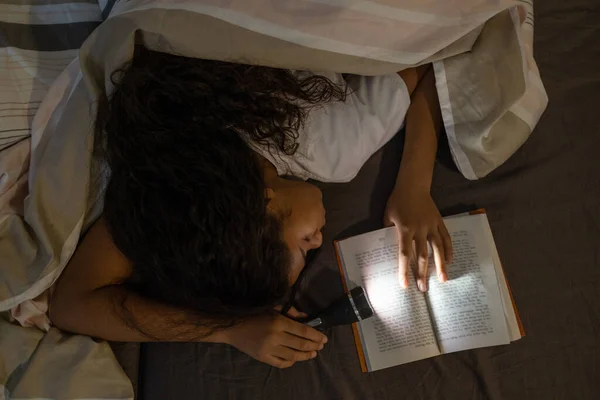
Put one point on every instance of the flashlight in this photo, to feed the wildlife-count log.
(352, 307)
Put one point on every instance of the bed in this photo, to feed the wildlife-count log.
(544, 209)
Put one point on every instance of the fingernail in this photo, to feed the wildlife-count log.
(325, 340)
(313, 355)
(405, 282)
(422, 285)
(321, 346)
(443, 277)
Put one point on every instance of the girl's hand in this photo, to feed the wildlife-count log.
(276, 339)
(418, 220)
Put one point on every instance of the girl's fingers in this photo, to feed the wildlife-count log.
(405, 252)
(438, 255)
(447, 241)
(422, 261)
(302, 331)
(278, 362)
(297, 343)
(293, 313)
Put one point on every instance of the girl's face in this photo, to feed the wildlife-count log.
(303, 216)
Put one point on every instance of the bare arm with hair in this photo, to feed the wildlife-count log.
(410, 207)
(89, 299)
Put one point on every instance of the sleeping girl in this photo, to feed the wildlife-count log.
(208, 217)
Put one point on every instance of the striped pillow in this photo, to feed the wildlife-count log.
(38, 39)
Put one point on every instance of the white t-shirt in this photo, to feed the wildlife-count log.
(339, 137)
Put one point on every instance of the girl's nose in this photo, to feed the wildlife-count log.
(316, 240)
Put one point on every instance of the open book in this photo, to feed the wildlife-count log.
(472, 309)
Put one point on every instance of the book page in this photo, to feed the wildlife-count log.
(512, 322)
(400, 330)
(510, 312)
(467, 310)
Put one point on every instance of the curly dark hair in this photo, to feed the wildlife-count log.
(185, 202)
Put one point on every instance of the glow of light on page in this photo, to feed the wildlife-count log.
(382, 294)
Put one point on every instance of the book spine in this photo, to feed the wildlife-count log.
(359, 347)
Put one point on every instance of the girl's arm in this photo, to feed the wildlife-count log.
(89, 299)
(410, 207)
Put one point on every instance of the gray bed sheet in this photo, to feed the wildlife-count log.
(544, 209)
